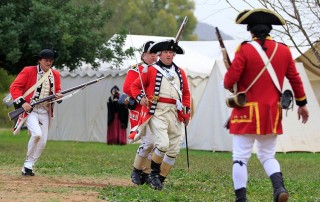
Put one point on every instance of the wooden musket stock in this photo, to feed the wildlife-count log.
(15, 113)
(225, 55)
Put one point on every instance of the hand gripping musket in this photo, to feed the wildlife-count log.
(17, 112)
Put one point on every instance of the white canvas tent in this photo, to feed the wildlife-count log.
(313, 71)
(206, 131)
(84, 116)
(212, 49)
(197, 65)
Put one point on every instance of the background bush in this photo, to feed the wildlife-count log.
(5, 83)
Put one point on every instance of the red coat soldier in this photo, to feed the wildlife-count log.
(166, 98)
(260, 118)
(38, 120)
(141, 165)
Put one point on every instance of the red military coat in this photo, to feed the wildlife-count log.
(149, 82)
(132, 75)
(26, 79)
(262, 113)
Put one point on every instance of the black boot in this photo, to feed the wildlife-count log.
(136, 176)
(280, 193)
(241, 194)
(145, 178)
(162, 178)
(155, 182)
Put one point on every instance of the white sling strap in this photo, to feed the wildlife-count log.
(166, 75)
(267, 63)
(39, 82)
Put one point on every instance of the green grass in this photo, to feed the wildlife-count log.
(208, 179)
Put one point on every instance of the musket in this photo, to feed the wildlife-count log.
(142, 86)
(227, 63)
(225, 55)
(187, 149)
(15, 113)
(183, 24)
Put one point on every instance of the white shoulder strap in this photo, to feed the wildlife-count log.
(166, 75)
(39, 82)
(266, 61)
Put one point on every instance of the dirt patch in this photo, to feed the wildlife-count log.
(15, 187)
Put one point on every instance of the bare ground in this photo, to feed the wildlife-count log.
(17, 188)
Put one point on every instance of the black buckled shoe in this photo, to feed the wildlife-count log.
(145, 178)
(155, 182)
(27, 172)
(136, 176)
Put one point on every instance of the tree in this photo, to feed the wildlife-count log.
(302, 23)
(74, 30)
(83, 31)
(6, 80)
(151, 17)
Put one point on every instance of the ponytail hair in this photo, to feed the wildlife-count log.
(261, 31)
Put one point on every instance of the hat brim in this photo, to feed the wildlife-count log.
(37, 57)
(47, 54)
(166, 45)
(259, 16)
(146, 46)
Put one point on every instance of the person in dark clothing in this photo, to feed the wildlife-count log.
(117, 119)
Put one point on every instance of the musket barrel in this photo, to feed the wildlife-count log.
(13, 114)
(225, 55)
(82, 85)
(184, 22)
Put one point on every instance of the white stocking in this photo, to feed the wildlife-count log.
(239, 175)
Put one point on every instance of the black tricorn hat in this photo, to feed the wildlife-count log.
(166, 45)
(146, 46)
(47, 54)
(259, 16)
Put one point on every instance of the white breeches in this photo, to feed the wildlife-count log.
(38, 126)
(166, 129)
(241, 153)
(147, 140)
(243, 146)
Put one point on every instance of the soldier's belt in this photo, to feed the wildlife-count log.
(167, 100)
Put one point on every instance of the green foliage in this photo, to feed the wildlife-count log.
(80, 29)
(151, 17)
(76, 32)
(208, 179)
(4, 110)
(6, 81)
